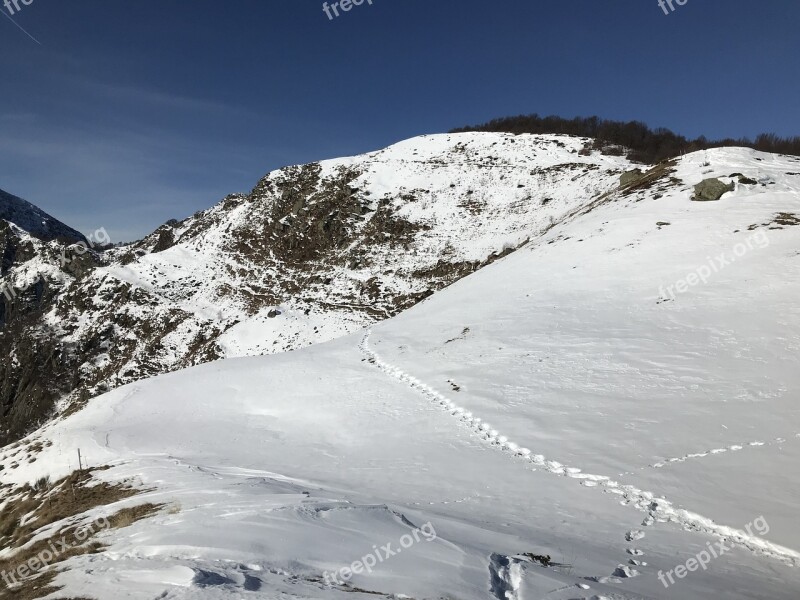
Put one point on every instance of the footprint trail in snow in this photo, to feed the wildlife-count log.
(657, 507)
(732, 448)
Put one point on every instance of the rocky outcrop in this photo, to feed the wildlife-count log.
(711, 190)
(630, 177)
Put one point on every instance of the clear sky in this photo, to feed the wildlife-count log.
(130, 113)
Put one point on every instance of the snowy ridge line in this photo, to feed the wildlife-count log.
(432, 163)
(657, 508)
(715, 451)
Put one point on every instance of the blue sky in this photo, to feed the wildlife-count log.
(132, 113)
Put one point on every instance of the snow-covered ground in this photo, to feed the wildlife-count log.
(588, 398)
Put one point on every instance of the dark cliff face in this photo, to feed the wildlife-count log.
(46, 360)
(40, 373)
(35, 221)
(29, 373)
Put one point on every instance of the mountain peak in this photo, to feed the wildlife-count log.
(34, 220)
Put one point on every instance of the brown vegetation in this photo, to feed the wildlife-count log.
(29, 509)
(642, 143)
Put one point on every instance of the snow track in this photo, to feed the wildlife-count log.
(732, 448)
(657, 507)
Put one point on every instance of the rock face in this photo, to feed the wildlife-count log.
(313, 252)
(34, 220)
(628, 177)
(41, 368)
(711, 190)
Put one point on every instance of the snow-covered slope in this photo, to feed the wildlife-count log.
(342, 243)
(314, 252)
(619, 394)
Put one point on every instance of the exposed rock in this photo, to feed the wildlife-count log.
(166, 239)
(711, 189)
(659, 177)
(80, 261)
(744, 179)
(629, 177)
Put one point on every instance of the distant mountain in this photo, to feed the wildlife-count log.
(35, 221)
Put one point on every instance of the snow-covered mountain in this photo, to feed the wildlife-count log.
(608, 412)
(314, 252)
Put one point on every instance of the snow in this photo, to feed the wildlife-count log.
(553, 403)
(427, 179)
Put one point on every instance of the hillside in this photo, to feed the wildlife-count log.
(597, 408)
(312, 253)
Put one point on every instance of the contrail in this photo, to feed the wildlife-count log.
(20, 27)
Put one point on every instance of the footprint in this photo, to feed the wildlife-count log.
(625, 572)
(637, 563)
(634, 534)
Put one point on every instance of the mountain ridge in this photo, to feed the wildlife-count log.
(35, 221)
(313, 252)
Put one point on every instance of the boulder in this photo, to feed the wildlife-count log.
(711, 189)
(629, 177)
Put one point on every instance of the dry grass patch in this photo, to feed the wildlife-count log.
(128, 516)
(28, 573)
(649, 179)
(780, 221)
(31, 508)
